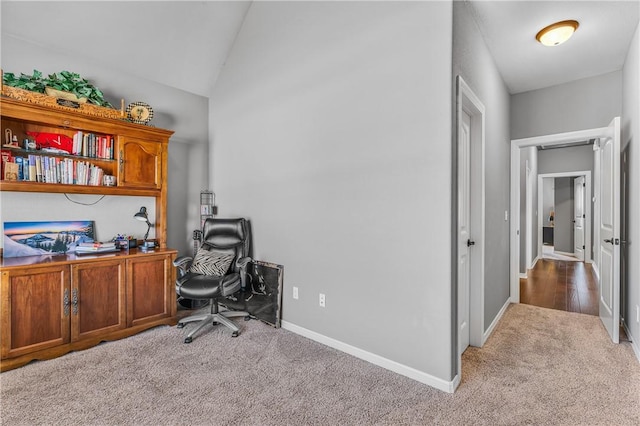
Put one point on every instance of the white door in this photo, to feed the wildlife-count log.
(609, 226)
(464, 238)
(578, 217)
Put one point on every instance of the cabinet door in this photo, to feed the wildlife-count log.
(140, 164)
(35, 309)
(150, 293)
(97, 298)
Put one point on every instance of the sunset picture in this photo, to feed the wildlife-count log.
(41, 238)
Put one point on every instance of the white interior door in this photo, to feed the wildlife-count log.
(464, 237)
(609, 226)
(578, 217)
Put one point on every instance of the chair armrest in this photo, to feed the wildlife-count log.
(183, 263)
(243, 262)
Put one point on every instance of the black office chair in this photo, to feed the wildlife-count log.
(218, 270)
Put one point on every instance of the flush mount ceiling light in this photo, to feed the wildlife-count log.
(557, 33)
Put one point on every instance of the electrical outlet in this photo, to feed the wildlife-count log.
(295, 293)
(322, 300)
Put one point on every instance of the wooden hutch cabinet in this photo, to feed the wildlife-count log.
(54, 304)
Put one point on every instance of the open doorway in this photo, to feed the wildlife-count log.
(606, 219)
(562, 276)
(565, 202)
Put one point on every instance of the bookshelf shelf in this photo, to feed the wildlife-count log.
(139, 163)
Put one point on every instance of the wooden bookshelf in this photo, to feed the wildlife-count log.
(54, 304)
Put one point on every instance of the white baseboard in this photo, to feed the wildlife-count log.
(412, 373)
(523, 276)
(495, 321)
(634, 344)
(594, 265)
(533, 265)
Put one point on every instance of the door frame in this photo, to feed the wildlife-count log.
(567, 138)
(528, 255)
(588, 257)
(467, 100)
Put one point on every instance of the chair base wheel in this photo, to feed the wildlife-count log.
(180, 325)
(214, 323)
(188, 340)
(235, 334)
(247, 318)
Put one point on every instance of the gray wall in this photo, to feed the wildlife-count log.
(174, 109)
(472, 60)
(569, 159)
(631, 146)
(578, 105)
(331, 132)
(563, 229)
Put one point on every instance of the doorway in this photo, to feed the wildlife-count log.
(607, 217)
(578, 219)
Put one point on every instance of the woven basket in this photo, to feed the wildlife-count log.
(52, 102)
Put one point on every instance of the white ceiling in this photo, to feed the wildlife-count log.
(598, 46)
(184, 44)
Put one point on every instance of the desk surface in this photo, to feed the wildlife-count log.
(49, 259)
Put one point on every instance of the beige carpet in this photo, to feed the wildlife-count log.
(540, 367)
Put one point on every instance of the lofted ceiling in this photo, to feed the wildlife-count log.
(177, 43)
(184, 44)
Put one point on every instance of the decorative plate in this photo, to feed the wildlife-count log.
(139, 112)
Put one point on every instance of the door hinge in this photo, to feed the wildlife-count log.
(584, 216)
(583, 247)
(584, 184)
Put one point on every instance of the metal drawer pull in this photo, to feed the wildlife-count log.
(65, 302)
(75, 301)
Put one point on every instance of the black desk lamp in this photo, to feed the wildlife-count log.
(143, 217)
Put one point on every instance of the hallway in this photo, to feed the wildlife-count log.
(563, 285)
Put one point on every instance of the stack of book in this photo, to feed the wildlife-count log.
(97, 247)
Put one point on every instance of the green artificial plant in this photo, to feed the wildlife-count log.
(64, 80)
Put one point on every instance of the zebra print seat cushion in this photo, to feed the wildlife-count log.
(210, 262)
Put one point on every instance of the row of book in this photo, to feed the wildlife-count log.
(93, 146)
(39, 168)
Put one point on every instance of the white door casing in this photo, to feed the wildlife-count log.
(579, 217)
(608, 246)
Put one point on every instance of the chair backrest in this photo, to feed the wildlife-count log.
(228, 236)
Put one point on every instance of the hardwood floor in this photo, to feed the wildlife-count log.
(562, 285)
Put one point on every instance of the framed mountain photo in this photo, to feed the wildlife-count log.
(41, 238)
